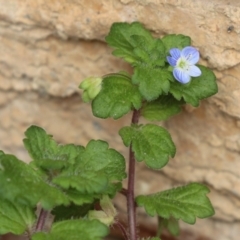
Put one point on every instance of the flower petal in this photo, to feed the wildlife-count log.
(175, 53)
(172, 61)
(181, 75)
(191, 54)
(194, 71)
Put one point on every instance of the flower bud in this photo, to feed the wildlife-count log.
(91, 87)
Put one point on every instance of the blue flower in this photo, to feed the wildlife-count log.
(184, 63)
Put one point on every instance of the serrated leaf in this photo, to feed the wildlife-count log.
(151, 52)
(74, 230)
(21, 183)
(94, 170)
(46, 152)
(116, 98)
(15, 218)
(175, 41)
(150, 143)
(120, 38)
(85, 182)
(71, 212)
(161, 109)
(199, 87)
(153, 82)
(184, 203)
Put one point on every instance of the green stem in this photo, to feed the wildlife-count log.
(130, 192)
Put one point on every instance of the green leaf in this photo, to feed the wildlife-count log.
(153, 82)
(175, 41)
(184, 203)
(116, 98)
(197, 89)
(150, 143)
(161, 109)
(120, 38)
(21, 183)
(15, 218)
(150, 52)
(71, 212)
(46, 152)
(171, 224)
(79, 198)
(74, 230)
(95, 170)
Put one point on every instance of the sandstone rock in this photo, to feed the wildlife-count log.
(48, 47)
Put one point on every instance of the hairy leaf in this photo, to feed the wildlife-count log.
(116, 98)
(199, 88)
(46, 152)
(175, 41)
(21, 183)
(94, 171)
(184, 203)
(15, 218)
(153, 82)
(161, 109)
(120, 38)
(150, 143)
(74, 230)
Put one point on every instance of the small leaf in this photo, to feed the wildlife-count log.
(21, 183)
(74, 230)
(15, 218)
(120, 38)
(199, 88)
(116, 98)
(175, 41)
(173, 226)
(94, 171)
(184, 203)
(150, 143)
(161, 109)
(153, 82)
(45, 151)
(70, 212)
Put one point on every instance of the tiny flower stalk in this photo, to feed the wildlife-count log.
(184, 63)
(91, 87)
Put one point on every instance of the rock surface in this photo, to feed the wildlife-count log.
(47, 47)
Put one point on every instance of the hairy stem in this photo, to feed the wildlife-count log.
(41, 220)
(130, 193)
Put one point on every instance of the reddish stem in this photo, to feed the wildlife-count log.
(130, 192)
(41, 220)
(123, 230)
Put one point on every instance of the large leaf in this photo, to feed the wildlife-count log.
(21, 183)
(46, 152)
(153, 82)
(199, 87)
(121, 39)
(184, 203)
(74, 230)
(116, 98)
(15, 218)
(150, 143)
(161, 109)
(94, 171)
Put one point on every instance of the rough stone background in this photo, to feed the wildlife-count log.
(47, 47)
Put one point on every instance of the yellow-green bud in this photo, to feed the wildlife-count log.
(91, 87)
